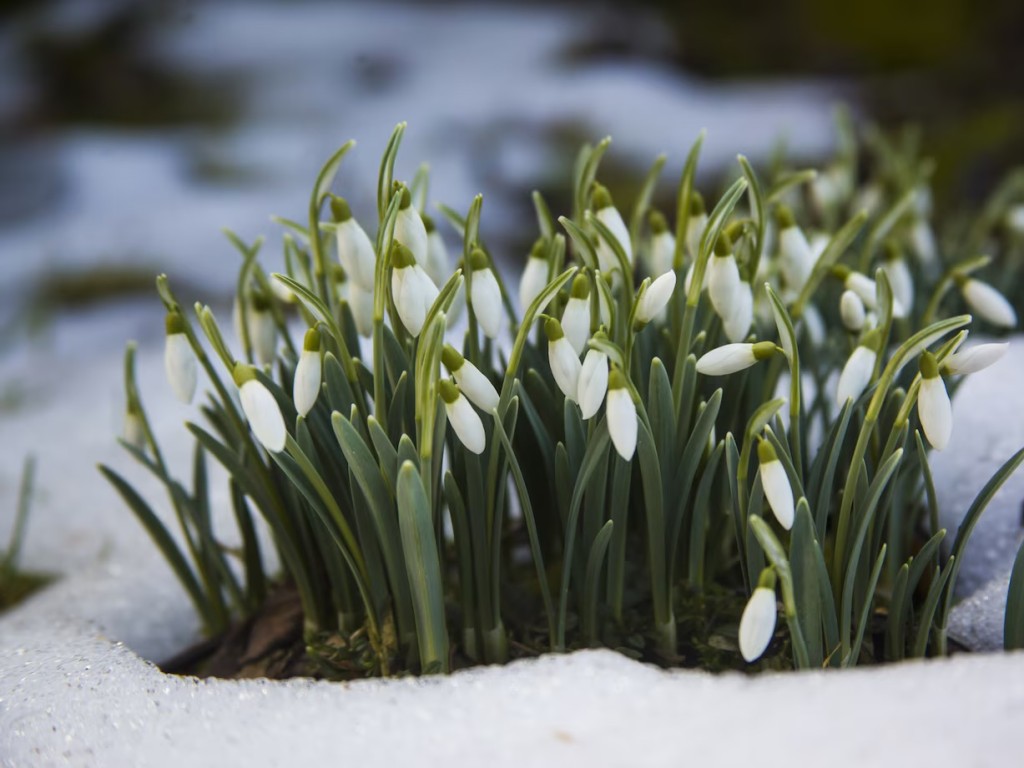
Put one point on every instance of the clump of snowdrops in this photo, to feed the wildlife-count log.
(686, 433)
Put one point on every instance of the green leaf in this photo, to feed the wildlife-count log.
(591, 584)
(865, 610)
(804, 550)
(699, 521)
(387, 170)
(1013, 622)
(643, 201)
(683, 194)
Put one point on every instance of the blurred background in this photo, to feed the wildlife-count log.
(131, 132)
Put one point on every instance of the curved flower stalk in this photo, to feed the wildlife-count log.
(734, 357)
(986, 302)
(974, 359)
(306, 386)
(565, 363)
(851, 311)
(859, 368)
(796, 260)
(411, 288)
(260, 408)
(593, 382)
(757, 624)
(355, 250)
(576, 315)
(723, 278)
(535, 275)
(410, 230)
(606, 212)
(485, 294)
(933, 406)
(179, 359)
(654, 300)
(621, 414)
(776, 485)
(437, 264)
(663, 244)
(463, 419)
(469, 379)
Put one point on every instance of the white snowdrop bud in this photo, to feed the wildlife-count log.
(535, 276)
(655, 299)
(361, 304)
(663, 244)
(436, 264)
(485, 294)
(306, 386)
(179, 359)
(355, 250)
(565, 363)
(576, 315)
(723, 277)
(933, 406)
(858, 370)
(860, 284)
(262, 329)
(775, 483)
(593, 382)
(986, 302)
(412, 289)
(975, 359)
(900, 279)
(796, 260)
(742, 317)
(851, 310)
(757, 624)
(409, 228)
(695, 224)
(260, 409)
(922, 242)
(621, 412)
(463, 419)
(471, 381)
(734, 357)
(1015, 219)
(134, 431)
(608, 214)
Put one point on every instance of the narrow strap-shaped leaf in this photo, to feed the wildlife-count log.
(803, 548)
(865, 611)
(940, 581)
(699, 520)
(1013, 621)
(592, 582)
(773, 549)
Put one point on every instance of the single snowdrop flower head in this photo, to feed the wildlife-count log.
(470, 380)
(796, 260)
(463, 419)
(775, 483)
(565, 363)
(974, 359)
(986, 302)
(179, 359)
(620, 411)
(306, 386)
(723, 277)
(742, 317)
(436, 265)
(922, 242)
(262, 328)
(535, 275)
(410, 230)
(411, 288)
(757, 624)
(361, 304)
(933, 406)
(859, 368)
(355, 250)
(851, 311)
(663, 244)
(485, 294)
(1014, 219)
(900, 279)
(576, 315)
(606, 212)
(260, 408)
(134, 430)
(731, 358)
(655, 298)
(593, 383)
(859, 283)
(696, 221)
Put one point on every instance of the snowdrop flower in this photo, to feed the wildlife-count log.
(663, 244)
(411, 287)
(975, 359)
(986, 302)
(260, 409)
(484, 294)
(621, 413)
(306, 386)
(654, 300)
(1015, 219)
(436, 263)
(695, 224)
(262, 329)
(464, 420)
(734, 357)
(361, 304)
(470, 380)
(409, 228)
(593, 383)
(723, 277)
(796, 260)
(757, 624)
(851, 310)
(355, 250)
(866, 289)
(830, 187)
(814, 324)
(775, 483)
(535, 275)
(576, 315)
(134, 431)
(922, 242)
(933, 407)
(900, 279)
(742, 317)
(565, 363)
(608, 214)
(179, 359)
(858, 370)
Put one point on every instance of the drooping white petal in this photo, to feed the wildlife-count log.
(723, 283)
(778, 492)
(856, 374)
(922, 242)
(851, 310)
(467, 425)
(361, 304)
(485, 298)
(411, 232)
(663, 251)
(739, 322)
(263, 415)
(622, 425)
(476, 386)
(576, 322)
(935, 412)
(262, 335)
(757, 624)
(864, 287)
(533, 281)
(414, 293)
(180, 365)
(1015, 219)
(306, 387)
(565, 366)
(593, 382)
(611, 218)
(988, 303)
(901, 281)
(437, 266)
(134, 432)
(796, 260)
(975, 359)
(656, 297)
(355, 252)
(814, 323)
(726, 359)
(694, 231)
